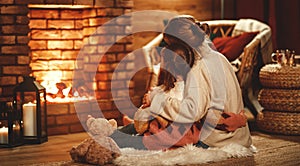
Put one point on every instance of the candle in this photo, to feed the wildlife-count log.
(3, 135)
(16, 130)
(29, 119)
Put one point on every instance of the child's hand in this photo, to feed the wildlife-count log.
(89, 117)
(149, 96)
(146, 101)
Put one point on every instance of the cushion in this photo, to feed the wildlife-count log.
(232, 47)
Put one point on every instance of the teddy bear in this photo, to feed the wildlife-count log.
(99, 149)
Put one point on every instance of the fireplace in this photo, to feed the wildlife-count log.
(56, 37)
(59, 43)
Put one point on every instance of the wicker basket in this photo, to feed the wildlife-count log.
(280, 99)
(279, 122)
(276, 76)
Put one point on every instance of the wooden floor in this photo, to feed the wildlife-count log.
(56, 149)
(273, 150)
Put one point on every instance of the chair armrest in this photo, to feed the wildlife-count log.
(154, 42)
(221, 22)
(249, 61)
(150, 53)
(152, 59)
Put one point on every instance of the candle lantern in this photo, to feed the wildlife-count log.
(10, 126)
(30, 100)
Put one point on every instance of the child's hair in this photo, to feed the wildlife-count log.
(178, 60)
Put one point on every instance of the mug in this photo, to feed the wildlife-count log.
(284, 57)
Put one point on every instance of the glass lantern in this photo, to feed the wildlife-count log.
(10, 126)
(30, 100)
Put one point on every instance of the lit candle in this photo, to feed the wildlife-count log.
(29, 119)
(4, 135)
(16, 129)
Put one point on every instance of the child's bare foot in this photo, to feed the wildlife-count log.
(127, 120)
(114, 123)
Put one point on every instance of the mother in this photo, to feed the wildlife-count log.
(211, 90)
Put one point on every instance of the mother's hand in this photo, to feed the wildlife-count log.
(231, 121)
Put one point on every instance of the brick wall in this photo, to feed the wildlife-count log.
(14, 49)
(36, 41)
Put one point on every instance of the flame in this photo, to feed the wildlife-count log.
(50, 80)
(50, 83)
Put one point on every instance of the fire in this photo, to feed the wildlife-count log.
(60, 92)
(50, 79)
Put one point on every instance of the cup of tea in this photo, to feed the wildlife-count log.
(279, 57)
(284, 57)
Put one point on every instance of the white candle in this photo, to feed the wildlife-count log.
(4, 135)
(29, 119)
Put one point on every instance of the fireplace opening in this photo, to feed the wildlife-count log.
(56, 37)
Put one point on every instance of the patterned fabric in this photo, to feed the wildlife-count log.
(173, 135)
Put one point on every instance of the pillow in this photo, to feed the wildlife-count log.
(232, 47)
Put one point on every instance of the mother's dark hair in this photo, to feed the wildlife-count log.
(178, 59)
(185, 29)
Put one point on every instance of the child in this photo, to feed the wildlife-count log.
(176, 63)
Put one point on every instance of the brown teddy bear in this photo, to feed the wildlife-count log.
(100, 149)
